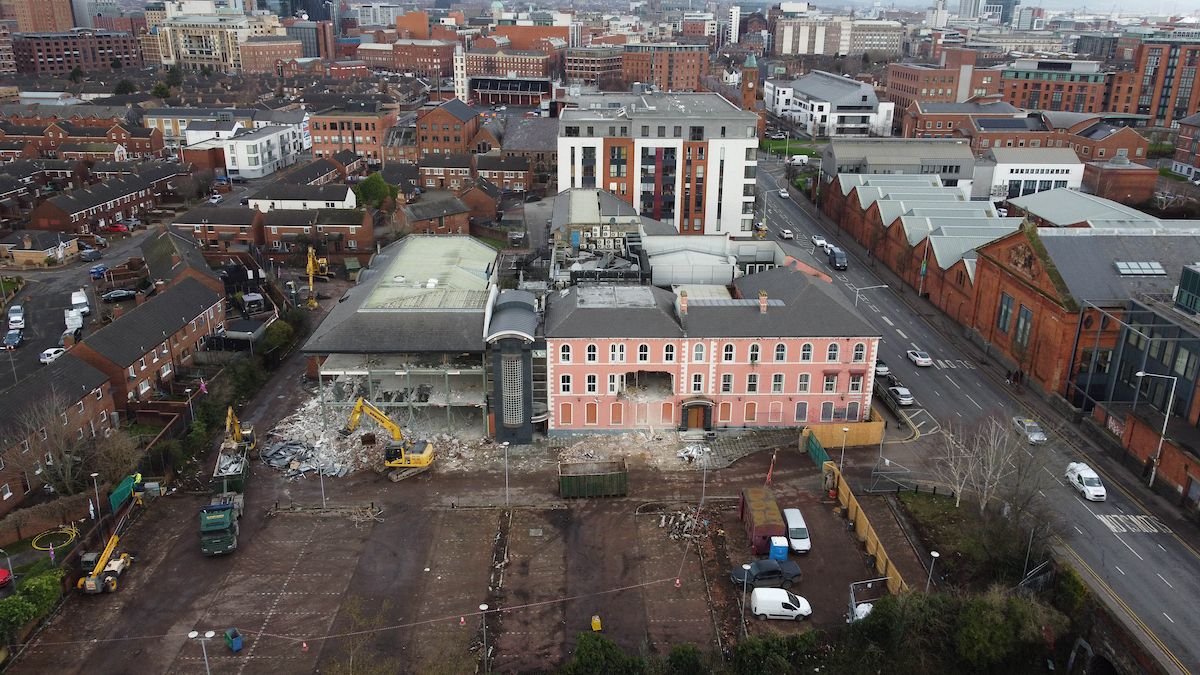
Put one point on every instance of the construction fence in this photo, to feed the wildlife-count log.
(835, 482)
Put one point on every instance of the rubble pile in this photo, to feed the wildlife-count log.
(300, 444)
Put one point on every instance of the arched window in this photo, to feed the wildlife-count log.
(806, 352)
(643, 353)
(669, 353)
(698, 353)
(831, 354)
(753, 353)
(591, 353)
(860, 352)
(564, 354)
(780, 352)
(727, 353)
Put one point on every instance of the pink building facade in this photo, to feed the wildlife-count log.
(698, 365)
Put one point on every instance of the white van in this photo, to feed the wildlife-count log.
(798, 160)
(797, 531)
(79, 302)
(778, 603)
(1081, 477)
(16, 317)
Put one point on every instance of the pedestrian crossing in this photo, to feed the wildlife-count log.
(945, 364)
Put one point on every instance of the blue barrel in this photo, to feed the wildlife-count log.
(233, 640)
(779, 548)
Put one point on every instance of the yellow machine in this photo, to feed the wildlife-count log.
(101, 570)
(318, 268)
(242, 436)
(410, 457)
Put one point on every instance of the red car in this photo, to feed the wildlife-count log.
(115, 227)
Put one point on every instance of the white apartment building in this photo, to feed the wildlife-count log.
(255, 153)
(685, 159)
(830, 106)
(1008, 173)
(193, 42)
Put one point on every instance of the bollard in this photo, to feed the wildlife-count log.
(934, 490)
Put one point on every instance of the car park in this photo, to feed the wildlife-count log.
(51, 355)
(767, 573)
(901, 395)
(777, 603)
(1085, 480)
(119, 294)
(919, 358)
(13, 339)
(787, 234)
(819, 241)
(882, 369)
(783, 194)
(1030, 430)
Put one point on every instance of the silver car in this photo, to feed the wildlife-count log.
(1031, 430)
(901, 395)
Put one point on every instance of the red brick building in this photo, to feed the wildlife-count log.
(1056, 84)
(429, 58)
(261, 55)
(134, 25)
(1120, 180)
(1168, 90)
(1186, 160)
(506, 173)
(999, 125)
(43, 16)
(954, 79)
(669, 66)
(928, 119)
(57, 54)
(336, 234)
(361, 130)
(500, 62)
(436, 212)
(413, 25)
(44, 140)
(595, 64)
(223, 228)
(532, 38)
(448, 128)
(445, 172)
(85, 210)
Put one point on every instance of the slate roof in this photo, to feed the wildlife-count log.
(159, 248)
(812, 307)
(218, 215)
(1191, 120)
(488, 188)
(434, 204)
(67, 376)
(289, 217)
(1086, 259)
(304, 175)
(346, 157)
(330, 192)
(823, 86)
(450, 161)
(531, 134)
(147, 325)
(339, 216)
(513, 312)
(82, 199)
(612, 311)
(500, 163)
(459, 110)
(968, 107)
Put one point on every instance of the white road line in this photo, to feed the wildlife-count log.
(1161, 547)
(911, 343)
(1052, 475)
(1164, 580)
(937, 392)
(1043, 494)
(1119, 569)
(1168, 617)
(1078, 530)
(1029, 453)
(973, 401)
(887, 321)
(953, 382)
(1130, 548)
(958, 413)
(901, 334)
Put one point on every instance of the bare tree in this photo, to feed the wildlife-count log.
(993, 447)
(116, 456)
(956, 466)
(59, 454)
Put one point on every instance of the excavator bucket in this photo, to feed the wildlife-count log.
(345, 432)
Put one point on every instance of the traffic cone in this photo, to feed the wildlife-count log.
(462, 620)
(678, 583)
(304, 647)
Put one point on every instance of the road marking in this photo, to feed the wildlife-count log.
(967, 364)
(1133, 524)
(1163, 549)
(958, 413)
(887, 321)
(901, 334)
(1164, 580)
(937, 392)
(1052, 475)
(1119, 569)
(1078, 530)
(1031, 455)
(1168, 617)
(911, 343)
(973, 401)
(953, 382)
(1043, 494)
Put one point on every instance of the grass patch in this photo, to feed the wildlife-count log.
(141, 429)
(498, 244)
(792, 147)
(1167, 173)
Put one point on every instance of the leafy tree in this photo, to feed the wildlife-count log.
(174, 76)
(76, 75)
(161, 90)
(124, 88)
(278, 334)
(686, 659)
(598, 655)
(374, 191)
(116, 456)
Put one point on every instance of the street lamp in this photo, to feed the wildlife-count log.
(858, 291)
(191, 413)
(1166, 418)
(484, 608)
(11, 575)
(505, 444)
(208, 635)
(745, 581)
(842, 460)
(933, 556)
(96, 485)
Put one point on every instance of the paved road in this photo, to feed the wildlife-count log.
(1119, 545)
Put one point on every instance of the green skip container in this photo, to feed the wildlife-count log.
(592, 479)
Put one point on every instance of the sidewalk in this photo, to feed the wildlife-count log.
(1113, 470)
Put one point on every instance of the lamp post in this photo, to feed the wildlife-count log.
(1166, 418)
(858, 291)
(745, 581)
(96, 485)
(191, 412)
(11, 575)
(842, 459)
(484, 608)
(322, 475)
(208, 635)
(933, 556)
(505, 444)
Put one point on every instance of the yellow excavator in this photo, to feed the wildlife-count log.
(238, 435)
(409, 458)
(318, 268)
(101, 570)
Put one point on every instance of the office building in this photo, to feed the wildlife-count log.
(316, 38)
(57, 54)
(669, 66)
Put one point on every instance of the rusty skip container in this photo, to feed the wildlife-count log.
(593, 479)
(760, 515)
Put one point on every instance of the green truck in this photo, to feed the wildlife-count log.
(219, 519)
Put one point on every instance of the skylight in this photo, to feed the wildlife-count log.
(1140, 269)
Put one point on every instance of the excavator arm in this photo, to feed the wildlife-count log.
(233, 429)
(380, 417)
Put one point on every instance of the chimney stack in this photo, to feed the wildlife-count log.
(682, 303)
(762, 302)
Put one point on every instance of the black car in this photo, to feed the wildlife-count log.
(13, 339)
(118, 295)
(767, 574)
(837, 258)
(90, 255)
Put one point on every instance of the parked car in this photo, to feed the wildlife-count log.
(776, 603)
(881, 369)
(901, 395)
(779, 137)
(837, 258)
(1081, 477)
(16, 316)
(98, 271)
(919, 358)
(51, 355)
(1032, 431)
(90, 255)
(13, 339)
(787, 234)
(216, 199)
(783, 194)
(797, 531)
(244, 201)
(767, 573)
(75, 333)
(819, 241)
(114, 227)
(119, 294)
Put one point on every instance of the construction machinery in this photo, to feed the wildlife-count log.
(317, 268)
(409, 458)
(101, 570)
(219, 519)
(236, 435)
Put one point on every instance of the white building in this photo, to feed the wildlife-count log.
(378, 14)
(685, 159)
(255, 153)
(1007, 173)
(281, 195)
(828, 106)
(735, 21)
